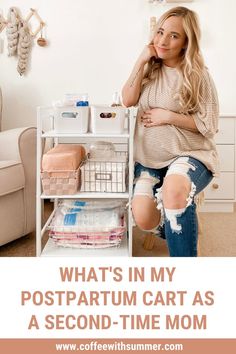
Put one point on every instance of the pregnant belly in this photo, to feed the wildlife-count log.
(156, 143)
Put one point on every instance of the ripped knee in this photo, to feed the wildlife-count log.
(144, 185)
(181, 167)
(171, 215)
(180, 196)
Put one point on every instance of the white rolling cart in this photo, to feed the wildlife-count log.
(125, 140)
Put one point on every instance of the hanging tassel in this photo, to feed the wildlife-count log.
(24, 47)
(13, 31)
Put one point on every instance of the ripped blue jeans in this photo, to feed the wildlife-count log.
(179, 229)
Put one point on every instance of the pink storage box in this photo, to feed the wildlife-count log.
(60, 169)
(63, 157)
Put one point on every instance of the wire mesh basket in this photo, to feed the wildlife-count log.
(104, 175)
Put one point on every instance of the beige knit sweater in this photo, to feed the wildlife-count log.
(157, 147)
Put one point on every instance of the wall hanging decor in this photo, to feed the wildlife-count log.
(24, 47)
(13, 21)
(41, 41)
(3, 23)
(34, 14)
(20, 35)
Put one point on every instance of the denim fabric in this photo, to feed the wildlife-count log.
(184, 243)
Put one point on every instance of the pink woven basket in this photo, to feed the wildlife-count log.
(60, 182)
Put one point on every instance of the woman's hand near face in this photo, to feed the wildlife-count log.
(156, 116)
(132, 88)
(148, 52)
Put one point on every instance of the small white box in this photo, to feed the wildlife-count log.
(106, 119)
(69, 119)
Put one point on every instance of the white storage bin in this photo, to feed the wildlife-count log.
(106, 119)
(69, 119)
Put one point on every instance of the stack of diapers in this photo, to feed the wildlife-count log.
(60, 171)
(88, 224)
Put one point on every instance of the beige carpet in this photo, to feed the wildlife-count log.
(218, 240)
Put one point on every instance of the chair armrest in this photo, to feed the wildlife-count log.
(13, 141)
(20, 145)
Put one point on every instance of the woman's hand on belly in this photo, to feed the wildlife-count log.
(159, 116)
(155, 117)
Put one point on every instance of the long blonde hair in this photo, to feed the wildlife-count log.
(191, 61)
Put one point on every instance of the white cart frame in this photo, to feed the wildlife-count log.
(125, 249)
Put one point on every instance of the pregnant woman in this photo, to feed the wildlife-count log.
(174, 149)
